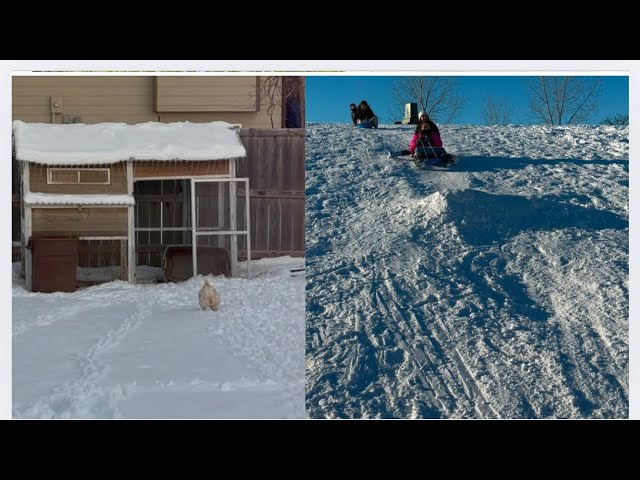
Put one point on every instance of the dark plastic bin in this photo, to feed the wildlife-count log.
(54, 262)
(178, 262)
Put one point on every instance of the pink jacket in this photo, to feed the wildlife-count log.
(434, 138)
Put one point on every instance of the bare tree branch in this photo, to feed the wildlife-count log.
(270, 97)
(563, 100)
(619, 119)
(438, 96)
(497, 111)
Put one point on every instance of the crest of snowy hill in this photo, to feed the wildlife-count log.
(495, 289)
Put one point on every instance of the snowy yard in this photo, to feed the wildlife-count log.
(497, 289)
(118, 350)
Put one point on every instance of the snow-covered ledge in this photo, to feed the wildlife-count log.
(105, 143)
(31, 198)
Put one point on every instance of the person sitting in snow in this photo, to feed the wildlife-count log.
(365, 114)
(423, 117)
(355, 114)
(427, 133)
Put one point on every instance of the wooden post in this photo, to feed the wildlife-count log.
(131, 230)
(26, 226)
(221, 206)
(27, 258)
(232, 216)
(194, 237)
(247, 214)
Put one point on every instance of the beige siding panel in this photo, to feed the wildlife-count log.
(247, 120)
(38, 182)
(31, 101)
(93, 99)
(122, 100)
(200, 107)
(205, 100)
(33, 118)
(212, 103)
(207, 81)
(119, 118)
(79, 221)
(94, 109)
(82, 81)
(186, 91)
(96, 90)
(206, 94)
(84, 118)
(18, 110)
(130, 100)
(181, 169)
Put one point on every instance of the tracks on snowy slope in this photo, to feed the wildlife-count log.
(426, 344)
(83, 397)
(589, 327)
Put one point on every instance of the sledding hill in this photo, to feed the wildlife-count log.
(496, 289)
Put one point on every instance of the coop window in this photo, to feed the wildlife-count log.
(95, 176)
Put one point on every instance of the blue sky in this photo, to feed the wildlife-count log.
(328, 98)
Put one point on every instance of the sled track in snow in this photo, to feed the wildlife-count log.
(63, 402)
(426, 345)
(453, 306)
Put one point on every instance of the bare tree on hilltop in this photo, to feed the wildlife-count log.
(619, 119)
(563, 100)
(497, 111)
(438, 96)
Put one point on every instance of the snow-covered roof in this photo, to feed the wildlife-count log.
(32, 198)
(103, 143)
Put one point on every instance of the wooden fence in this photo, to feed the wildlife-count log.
(276, 171)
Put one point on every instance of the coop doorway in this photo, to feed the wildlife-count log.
(189, 226)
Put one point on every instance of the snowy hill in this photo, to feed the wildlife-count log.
(498, 289)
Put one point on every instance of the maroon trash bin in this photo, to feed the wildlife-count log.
(53, 264)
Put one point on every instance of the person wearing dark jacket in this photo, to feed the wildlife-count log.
(355, 114)
(366, 114)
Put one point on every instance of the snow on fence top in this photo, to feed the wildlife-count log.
(102, 143)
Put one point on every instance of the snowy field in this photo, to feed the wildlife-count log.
(498, 289)
(117, 350)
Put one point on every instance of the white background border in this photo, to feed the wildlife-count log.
(315, 67)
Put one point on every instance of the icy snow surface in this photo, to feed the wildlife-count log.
(496, 289)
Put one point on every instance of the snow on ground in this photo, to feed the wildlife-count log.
(118, 350)
(497, 289)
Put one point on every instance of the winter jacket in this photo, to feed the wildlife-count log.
(355, 116)
(366, 113)
(434, 139)
(432, 125)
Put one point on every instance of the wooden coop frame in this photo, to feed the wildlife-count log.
(82, 193)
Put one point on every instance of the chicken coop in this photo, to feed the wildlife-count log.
(127, 191)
